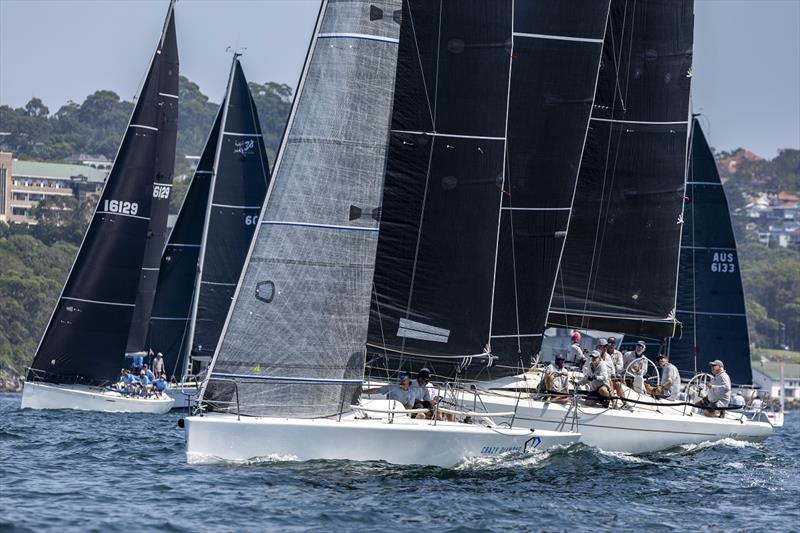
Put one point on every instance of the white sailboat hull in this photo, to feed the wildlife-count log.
(37, 395)
(184, 394)
(221, 437)
(645, 429)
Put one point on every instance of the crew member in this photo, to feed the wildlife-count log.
(556, 379)
(670, 382)
(719, 390)
(635, 364)
(401, 392)
(595, 373)
(575, 351)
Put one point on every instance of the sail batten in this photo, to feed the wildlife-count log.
(86, 337)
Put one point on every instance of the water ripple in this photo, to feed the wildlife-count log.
(75, 471)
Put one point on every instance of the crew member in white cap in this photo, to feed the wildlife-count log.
(636, 367)
(719, 389)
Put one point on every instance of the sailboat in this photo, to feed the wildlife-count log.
(108, 294)
(620, 264)
(286, 376)
(207, 247)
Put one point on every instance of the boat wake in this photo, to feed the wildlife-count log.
(202, 459)
(727, 442)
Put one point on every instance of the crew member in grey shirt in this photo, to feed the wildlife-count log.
(719, 390)
(596, 374)
(556, 380)
(670, 382)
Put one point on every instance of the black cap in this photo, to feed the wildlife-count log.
(612, 340)
(424, 373)
(561, 357)
(641, 343)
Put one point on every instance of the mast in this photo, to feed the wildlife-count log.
(204, 239)
(620, 263)
(487, 132)
(85, 338)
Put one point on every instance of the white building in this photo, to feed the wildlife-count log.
(767, 376)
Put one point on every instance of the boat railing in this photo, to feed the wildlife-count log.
(202, 402)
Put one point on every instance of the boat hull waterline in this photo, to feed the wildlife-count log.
(221, 438)
(37, 395)
(644, 429)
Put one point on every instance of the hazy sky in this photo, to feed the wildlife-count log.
(746, 69)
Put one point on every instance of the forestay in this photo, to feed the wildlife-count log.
(294, 339)
(620, 263)
(492, 101)
(86, 337)
(710, 295)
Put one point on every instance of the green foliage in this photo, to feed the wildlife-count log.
(31, 276)
(771, 279)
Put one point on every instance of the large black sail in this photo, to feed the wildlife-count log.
(492, 101)
(238, 187)
(169, 323)
(86, 337)
(164, 87)
(710, 295)
(620, 262)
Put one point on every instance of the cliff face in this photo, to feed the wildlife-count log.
(9, 380)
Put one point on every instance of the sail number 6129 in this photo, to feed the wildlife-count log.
(118, 206)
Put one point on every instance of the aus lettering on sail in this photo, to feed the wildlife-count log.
(723, 262)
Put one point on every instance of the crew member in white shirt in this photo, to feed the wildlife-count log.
(719, 389)
(595, 373)
(556, 379)
(670, 382)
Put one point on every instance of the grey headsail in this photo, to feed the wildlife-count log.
(169, 323)
(294, 339)
(710, 294)
(492, 103)
(86, 337)
(620, 263)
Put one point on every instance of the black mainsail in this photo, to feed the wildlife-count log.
(207, 248)
(492, 102)
(710, 294)
(86, 338)
(294, 338)
(620, 263)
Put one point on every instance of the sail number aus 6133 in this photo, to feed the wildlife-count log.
(723, 262)
(118, 206)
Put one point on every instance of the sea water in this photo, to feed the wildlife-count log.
(78, 471)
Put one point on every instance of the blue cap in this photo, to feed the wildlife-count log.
(403, 377)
